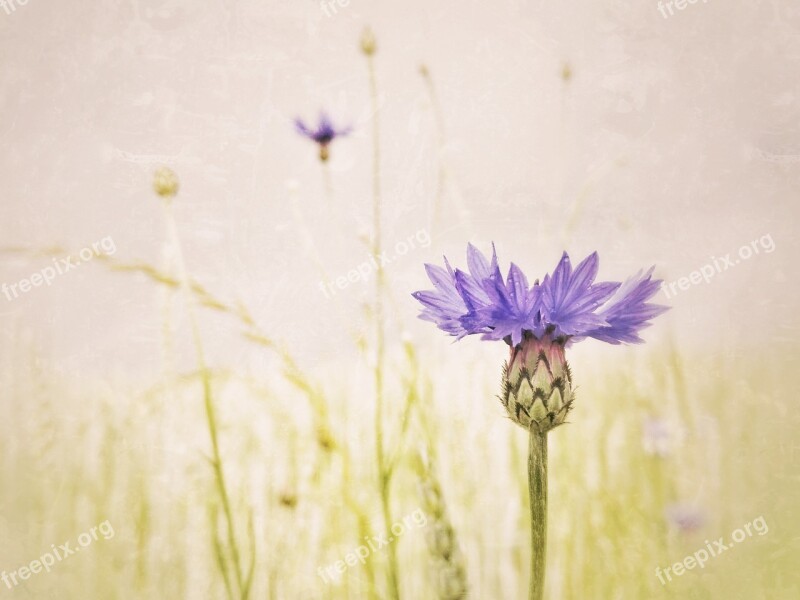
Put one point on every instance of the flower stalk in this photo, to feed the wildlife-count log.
(368, 47)
(538, 322)
(166, 186)
(537, 486)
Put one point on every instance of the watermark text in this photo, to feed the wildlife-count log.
(719, 264)
(334, 571)
(363, 271)
(48, 560)
(663, 7)
(61, 266)
(711, 550)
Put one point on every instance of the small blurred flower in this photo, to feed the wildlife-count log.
(441, 539)
(686, 517)
(538, 322)
(323, 135)
(165, 183)
(325, 439)
(288, 499)
(566, 72)
(657, 438)
(368, 44)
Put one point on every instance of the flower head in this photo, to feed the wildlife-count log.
(324, 133)
(657, 437)
(368, 44)
(686, 517)
(568, 305)
(165, 182)
(537, 321)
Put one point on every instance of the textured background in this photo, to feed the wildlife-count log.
(567, 126)
(673, 141)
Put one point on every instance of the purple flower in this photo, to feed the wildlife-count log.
(537, 321)
(568, 305)
(657, 437)
(686, 517)
(324, 133)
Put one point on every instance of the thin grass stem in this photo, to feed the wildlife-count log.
(208, 401)
(384, 474)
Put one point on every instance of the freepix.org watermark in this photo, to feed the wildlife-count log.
(333, 572)
(421, 239)
(329, 7)
(719, 264)
(663, 7)
(711, 550)
(56, 554)
(11, 5)
(60, 266)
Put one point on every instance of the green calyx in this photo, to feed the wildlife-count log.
(537, 384)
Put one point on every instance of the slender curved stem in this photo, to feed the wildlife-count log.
(208, 401)
(537, 482)
(384, 472)
(438, 117)
(326, 182)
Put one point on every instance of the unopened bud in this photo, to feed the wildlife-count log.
(165, 182)
(537, 384)
(368, 45)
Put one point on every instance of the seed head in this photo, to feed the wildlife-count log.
(325, 439)
(288, 499)
(165, 183)
(368, 45)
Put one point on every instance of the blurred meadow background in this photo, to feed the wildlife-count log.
(200, 382)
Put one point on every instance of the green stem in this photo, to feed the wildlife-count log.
(208, 400)
(440, 143)
(537, 482)
(326, 182)
(384, 473)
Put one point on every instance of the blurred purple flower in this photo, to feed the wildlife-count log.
(324, 133)
(657, 437)
(686, 517)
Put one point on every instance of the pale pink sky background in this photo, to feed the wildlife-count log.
(675, 140)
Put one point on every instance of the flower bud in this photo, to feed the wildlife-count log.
(368, 45)
(441, 540)
(165, 183)
(537, 384)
